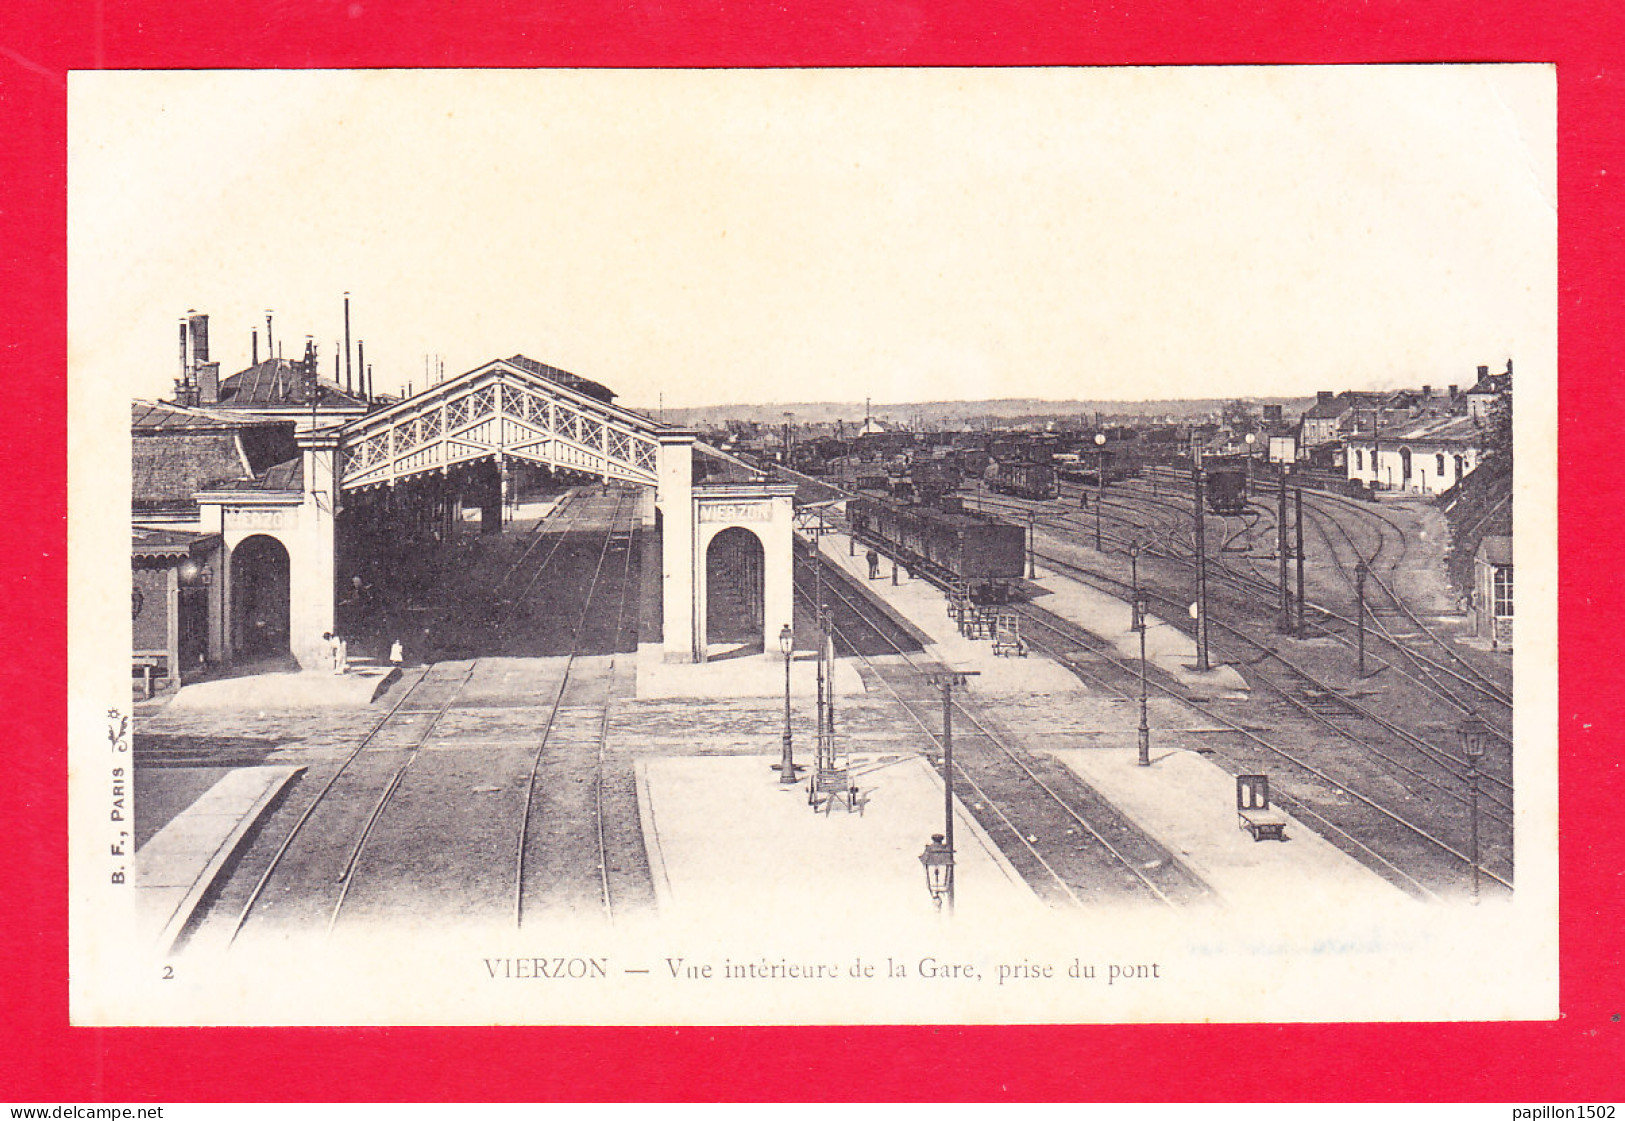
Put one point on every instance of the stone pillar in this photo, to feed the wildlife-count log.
(311, 561)
(778, 557)
(681, 571)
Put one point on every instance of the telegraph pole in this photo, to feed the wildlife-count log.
(1284, 623)
(1359, 591)
(947, 681)
(1298, 529)
(1201, 559)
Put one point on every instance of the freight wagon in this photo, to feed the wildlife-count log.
(987, 554)
(1226, 484)
(1023, 479)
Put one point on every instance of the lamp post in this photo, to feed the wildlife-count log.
(1032, 545)
(946, 682)
(938, 859)
(1137, 622)
(1284, 623)
(1201, 557)
(1100, 482)
(1473, 733)
(1359, 617)
(787, 766)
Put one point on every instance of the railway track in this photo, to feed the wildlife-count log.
(356, 843)
(1070, 846)
(1406, 819)
(1444, 682)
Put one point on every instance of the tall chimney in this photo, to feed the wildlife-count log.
(361, 351)
(254, 337)
(347, 382)
(208, 383)
(270, 339)
(184, 394)
(199, 325)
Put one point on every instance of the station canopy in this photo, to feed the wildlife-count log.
(510, 408)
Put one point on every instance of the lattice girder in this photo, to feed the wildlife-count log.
(498, 410)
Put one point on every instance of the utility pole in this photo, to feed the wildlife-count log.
(1284, 623)
(1298, 530)
(1201, 558)
(946, 682)
(1359, 591)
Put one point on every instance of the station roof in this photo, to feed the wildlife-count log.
(1496, 550)
(169, 544)
(582, 385)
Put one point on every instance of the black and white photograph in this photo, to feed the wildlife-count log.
(813, 546)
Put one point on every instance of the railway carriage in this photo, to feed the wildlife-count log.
(987, 554)
(1226, 484)
(1023, 478)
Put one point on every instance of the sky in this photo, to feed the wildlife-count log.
(714, 237)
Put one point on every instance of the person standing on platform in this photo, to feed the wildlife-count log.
(874, 564)
(396, 654)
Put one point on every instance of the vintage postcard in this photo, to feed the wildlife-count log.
(813, 546)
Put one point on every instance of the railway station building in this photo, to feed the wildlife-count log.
(1423, 455)
(260, 497)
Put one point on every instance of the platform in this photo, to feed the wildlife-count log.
(751, 675)
(176, 868)
(1188, 805)
(922, 606)
(724, 837)
(282, 691)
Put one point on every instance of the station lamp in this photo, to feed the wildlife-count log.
(938, 860)
(787, 765)
(1473, 732)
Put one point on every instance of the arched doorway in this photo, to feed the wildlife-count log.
(734, 571)
(1405, 466)
(259, 597)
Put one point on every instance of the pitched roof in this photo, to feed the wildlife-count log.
(1329, 408)
(1496, 550)
(167, 544)
(1431, 429)
(152, 416)
(281, 382)
(287, 475)
(582, 385)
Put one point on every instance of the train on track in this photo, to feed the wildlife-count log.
(945, 543)
(1226, 484)
(1023, 478)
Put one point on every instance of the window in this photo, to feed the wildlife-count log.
(1439, 465)
(1503, 592)
(1359, 460)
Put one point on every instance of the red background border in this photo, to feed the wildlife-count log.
(1580, 1057)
